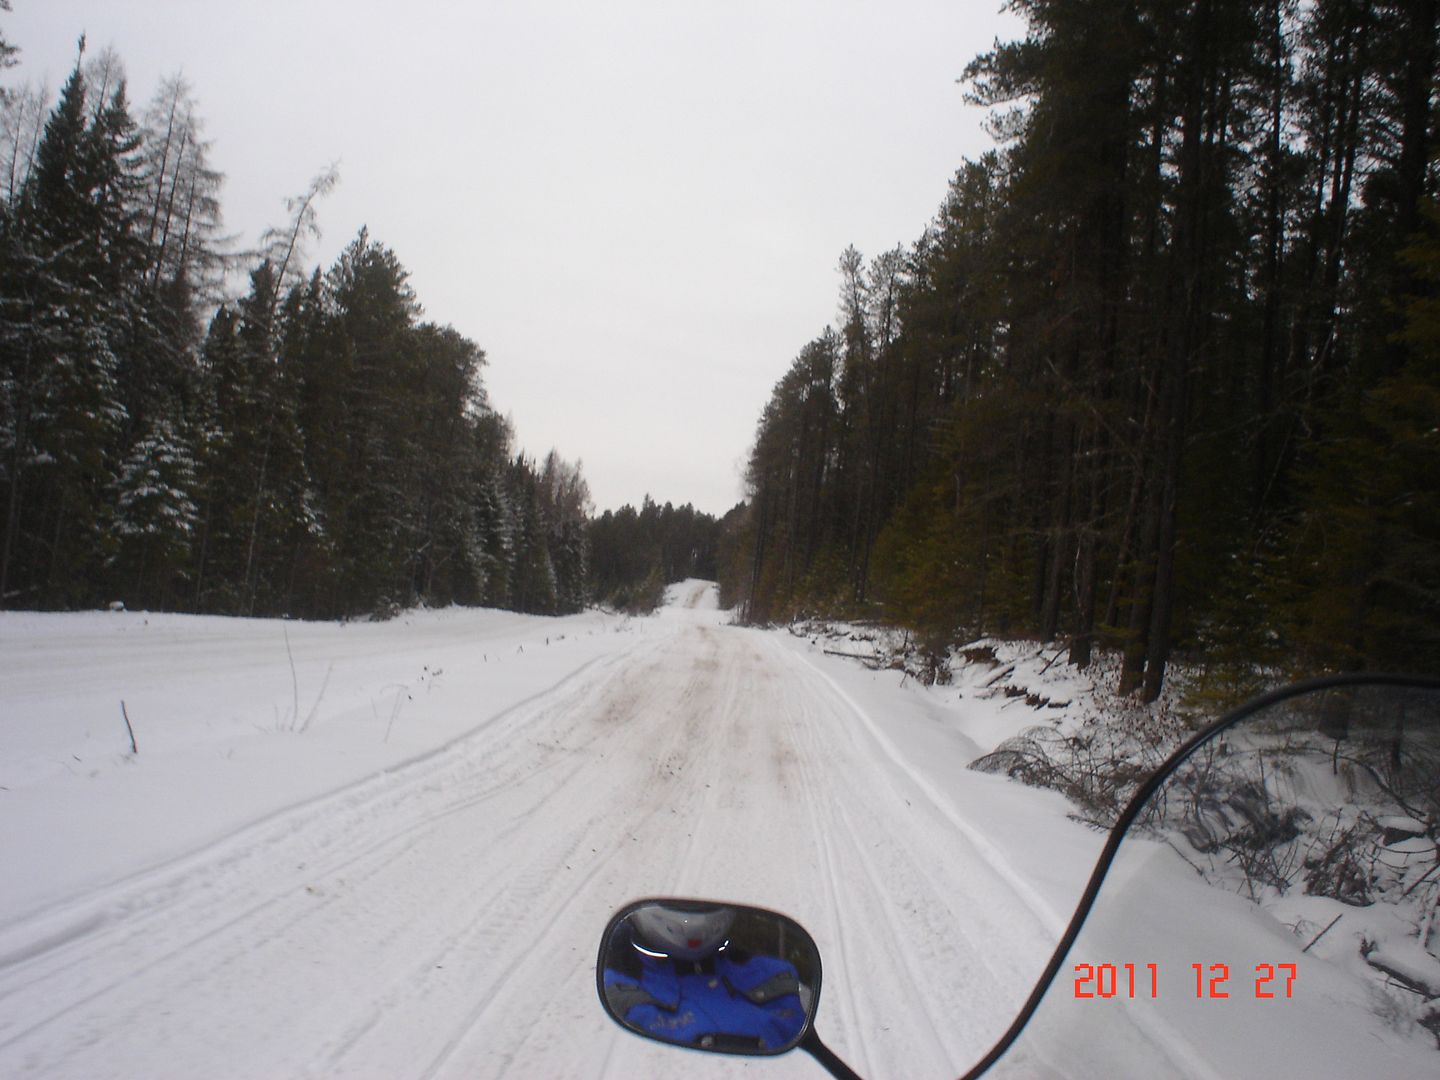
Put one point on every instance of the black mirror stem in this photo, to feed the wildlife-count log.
(812, 1045)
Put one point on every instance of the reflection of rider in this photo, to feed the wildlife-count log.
(679, 979)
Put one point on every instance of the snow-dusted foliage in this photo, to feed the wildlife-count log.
(318, 450)
(155, 489)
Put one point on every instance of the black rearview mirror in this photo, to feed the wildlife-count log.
(720, 977)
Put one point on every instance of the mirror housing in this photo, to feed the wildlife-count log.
(727, 978)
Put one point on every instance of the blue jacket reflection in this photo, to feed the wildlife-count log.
(729, 1001)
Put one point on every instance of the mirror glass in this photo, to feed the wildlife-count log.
(710, 976)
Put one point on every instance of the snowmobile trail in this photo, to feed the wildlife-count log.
(441, 919)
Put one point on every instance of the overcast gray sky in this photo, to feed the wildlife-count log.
(635, 207)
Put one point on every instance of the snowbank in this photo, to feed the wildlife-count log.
(235, 719)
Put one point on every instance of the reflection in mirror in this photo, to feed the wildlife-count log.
(1272, 913)
(718, 977)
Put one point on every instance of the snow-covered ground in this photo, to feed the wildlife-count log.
(389, 850)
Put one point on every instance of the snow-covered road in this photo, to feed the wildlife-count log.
(441, 918)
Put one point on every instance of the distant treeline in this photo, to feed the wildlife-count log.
(635, 554)
(1165, 370)
(313, 448)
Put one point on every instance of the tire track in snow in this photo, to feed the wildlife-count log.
(140, 927)
(920, 987)
(213, 849)
(850, 1032)
(187, 893)
(858, 897)
(1035, 905)
(150, 891)
(904, 866)
(513, 910)
(534, 886)
(460, 899)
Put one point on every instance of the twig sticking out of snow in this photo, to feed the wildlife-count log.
(1322, 933)
(1424, 878)
(318, 698)
(864, 657)
(998, 676)
(294, 682)
(126, 714)
(395, 712)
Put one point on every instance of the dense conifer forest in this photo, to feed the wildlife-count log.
(1162, 375)
(1164, 372)
(311, 448)
(634, 554)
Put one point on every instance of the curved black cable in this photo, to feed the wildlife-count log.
(1137, 804)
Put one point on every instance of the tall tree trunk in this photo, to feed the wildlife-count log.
(1265, 459)
(1058, 531)
(252, 583)
(1162, 595)
(14, 499)
(1417, 89)
(1142, 589)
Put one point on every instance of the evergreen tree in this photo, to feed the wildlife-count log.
(1355, 583)
(156, 516)
(1142, 358)
(68, 253)
(317, 451)
(8, 52)
(634, 554)
(373, 496)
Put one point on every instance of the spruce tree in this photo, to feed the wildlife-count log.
(68, 253)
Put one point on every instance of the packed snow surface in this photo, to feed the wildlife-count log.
(390, 849)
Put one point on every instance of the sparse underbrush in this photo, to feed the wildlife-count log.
(638, 599)
(1097, 754)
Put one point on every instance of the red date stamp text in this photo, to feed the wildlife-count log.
(1210, 981)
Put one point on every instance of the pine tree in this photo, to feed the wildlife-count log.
(533, 581)
(68, 253)
(156, 516)
(1126, 356)
(567, 510)
(450, 565)
(373, 496)
(8, 52)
